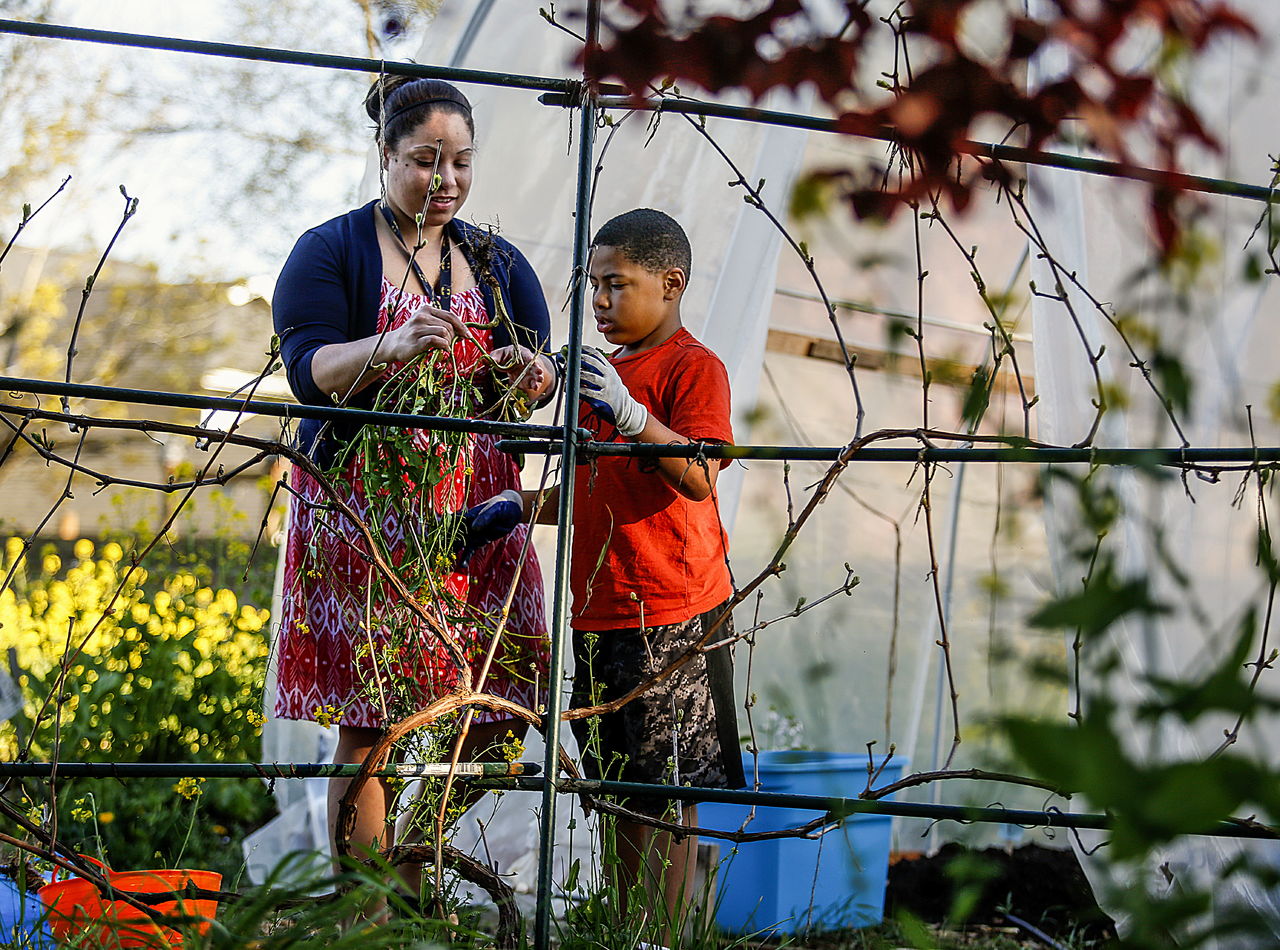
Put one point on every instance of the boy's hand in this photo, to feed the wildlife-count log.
(603, 389)
(490, 520)
(532, 373)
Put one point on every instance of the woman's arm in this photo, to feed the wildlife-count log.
(528, 305)
(310, 309)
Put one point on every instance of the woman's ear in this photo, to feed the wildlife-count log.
(674, 282)
(386, 158)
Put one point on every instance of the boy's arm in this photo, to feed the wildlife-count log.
(602, 386)
(547, 508)
(690, 477)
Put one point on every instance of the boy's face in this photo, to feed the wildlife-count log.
(634, 308)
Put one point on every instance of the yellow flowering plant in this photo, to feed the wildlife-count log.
(172, 673)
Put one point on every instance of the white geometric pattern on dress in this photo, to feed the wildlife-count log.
(327, 585)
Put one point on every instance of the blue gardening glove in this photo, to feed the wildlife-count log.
(604, 391)
(490, 520)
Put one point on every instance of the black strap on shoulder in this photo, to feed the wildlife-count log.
(439, 292)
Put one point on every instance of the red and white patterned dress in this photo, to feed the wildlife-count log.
(334, 659)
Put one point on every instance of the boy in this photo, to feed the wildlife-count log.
(649, 576)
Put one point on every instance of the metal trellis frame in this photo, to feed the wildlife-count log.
(995, 150)
(550, 439)
(570, 444)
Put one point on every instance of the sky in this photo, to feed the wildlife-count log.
(192, 220)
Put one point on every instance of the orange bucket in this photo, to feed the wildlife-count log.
(76, 907)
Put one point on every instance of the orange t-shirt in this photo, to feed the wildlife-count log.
(633, 534)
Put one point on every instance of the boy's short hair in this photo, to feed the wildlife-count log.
(650, 238)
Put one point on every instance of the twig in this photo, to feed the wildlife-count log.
(550, 17)
(130, 208)
(1266, 654)
(28, 215)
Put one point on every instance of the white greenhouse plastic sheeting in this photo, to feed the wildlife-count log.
(864, 668)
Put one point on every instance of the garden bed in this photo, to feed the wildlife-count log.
(1042, 886)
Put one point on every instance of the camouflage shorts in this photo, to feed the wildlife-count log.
(682, 731)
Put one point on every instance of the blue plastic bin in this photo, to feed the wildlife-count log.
(792, 885)
(23, 918)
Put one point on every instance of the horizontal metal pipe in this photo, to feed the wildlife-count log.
(1004, 153)
(292, 57)
(284, 410)
(841, 807)
(263, 770)
(806, 453)
(525, 777)
(548, 439)
(565, 92)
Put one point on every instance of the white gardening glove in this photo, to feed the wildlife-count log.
(603, 389)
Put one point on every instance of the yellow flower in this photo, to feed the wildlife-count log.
(189, 788)
(106, 817)
(84, 549)
(255, 718)
(512, 747)
(327, 715)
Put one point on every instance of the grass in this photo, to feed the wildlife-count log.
(289, 917)
(287, 913)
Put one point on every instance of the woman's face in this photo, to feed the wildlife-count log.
(409, 168)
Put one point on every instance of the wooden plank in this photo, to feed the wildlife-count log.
(942, 371)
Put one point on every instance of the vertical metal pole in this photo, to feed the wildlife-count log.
(568, 466)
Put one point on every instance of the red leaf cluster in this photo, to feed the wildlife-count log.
(721, 52)
(932, 111)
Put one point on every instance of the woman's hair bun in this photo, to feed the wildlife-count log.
(380, 93)
(393, 100)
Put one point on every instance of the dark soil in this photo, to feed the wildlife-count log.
(1042, 886)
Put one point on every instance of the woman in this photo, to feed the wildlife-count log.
(397, 305)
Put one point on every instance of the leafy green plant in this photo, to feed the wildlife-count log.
(1103, 759)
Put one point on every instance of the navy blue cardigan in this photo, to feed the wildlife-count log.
(330, 288)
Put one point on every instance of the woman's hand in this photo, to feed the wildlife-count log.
(532, 373)
(427, 328)
(345, 368)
